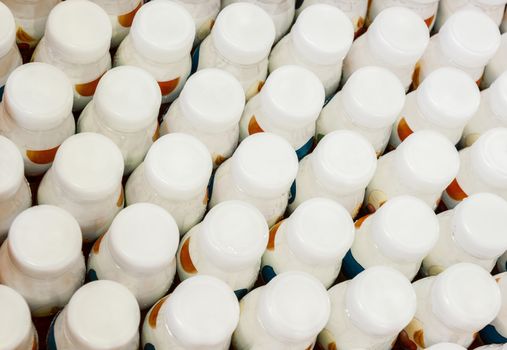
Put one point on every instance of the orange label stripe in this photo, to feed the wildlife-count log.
(403, 129)
(24, 37)
(42, 157)
(119, 203)
(185, 258)
(429, 21)
(152, 319)
(253, 126)
(360, 221)
(127, 19)
(96, 245)
(455, 191)
(166, 87)
(87, 89)
(272, 235)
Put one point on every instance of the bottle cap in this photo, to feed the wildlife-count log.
(127, 99)
(44, 241)
(264, 165)
(79, 31)
(373, 97)
(448, 97)
(446, 346)
(178, 166)
(498, 96)
(102, 315)
(202, 312)
(380, 301)
(234, 235)
(322, 34)
(213, 100)
(7, 30)
(293, 307)
(11, 168)
(344, 161)
(320, 231)
(398, 35)
(163, 31)
(38, 96)
(405, 229)
(469, 38)
(89, 166)
(427, 161)
(143, 238)
(465, 297)
(489, 157)
(292, 97)
(15, 319)
(243, 33)
(479, 223)
(117, 7)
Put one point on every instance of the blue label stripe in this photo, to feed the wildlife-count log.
(51, 341)
(350, 267)
(149, 346)
(292, 192)
(267, 273)
(490, 335)
(240, 293)
(305, 149)
(92, 275)
(1, 92)
(195, 59)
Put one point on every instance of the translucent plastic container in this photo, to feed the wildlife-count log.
(493, 8)
(204, 13)
(10, 57)
(426, 9)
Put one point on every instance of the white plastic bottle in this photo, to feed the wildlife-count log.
(204, 13)
(492, 112)
(446, 346)
(340, 168)
(36, 114)
(422, 166)
(369, 311)
(492, 8)
(260, 172)
(452, 307)
(444, 102)
(314, 239)
(125, 109)
(121, 14)
(399, 235)
(496, 331)
(100, 315)
(228, 244)
(467, 41)
(175, 176)
(472, 232)
(138, 251)
(15, 194)
(208, 108)
(239, 43)
(497, 65)
(483, 168)
(426, 9)
(42, 259)
(395, 40)
(167, 56)
(318, 41)
(288, 106)
(77, 40)
(30, 17)
(17, 331)
(493, 347)
(368, 104)
(287, 313)
(10, 57)
(85, 180)
(201, 313)
(281, 12)
(354, 9)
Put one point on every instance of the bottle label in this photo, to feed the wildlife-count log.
(326, 340)
(489, 335)
(267, 271)
(185, 259)
(195, 59)
(351, 268)
(305, 149)
(167, 87)
(292, 192)
(453, 194)
(87, 89)
(1, 92)
(126, 20)
(42, 156)
(51, 341)
(412, 337)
